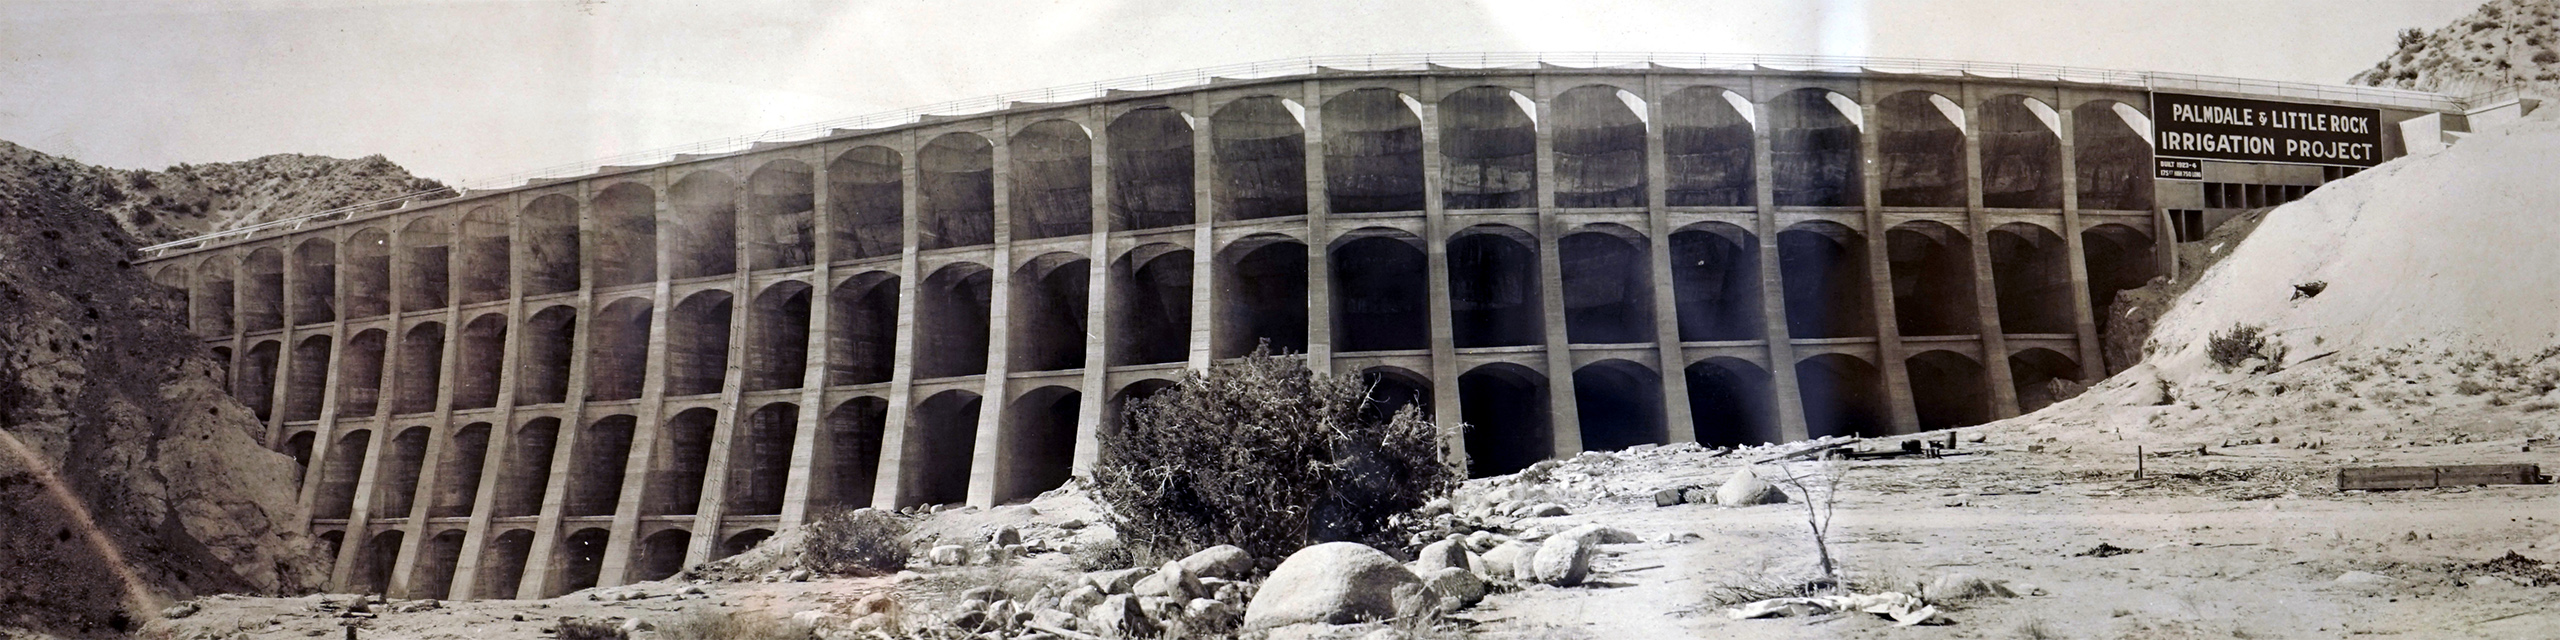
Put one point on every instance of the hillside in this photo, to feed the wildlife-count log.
(129, 476)
(193, 199)
(2503, 43)
(2397, 306)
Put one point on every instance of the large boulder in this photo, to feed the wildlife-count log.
(1746, 489)
(1562, 562)
(1331, 583)
(1223, 561)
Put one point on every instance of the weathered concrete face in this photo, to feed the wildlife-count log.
(605, 379)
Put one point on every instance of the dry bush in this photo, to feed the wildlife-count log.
(2230, 348)
(857, 542)
(1266, 455)
(585, 628)
(713, 624)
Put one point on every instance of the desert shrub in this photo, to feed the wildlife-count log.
(1266, 455)
(585, 628)
(2229, 348)
(859, 542)
(1108, 556)
(713, 624)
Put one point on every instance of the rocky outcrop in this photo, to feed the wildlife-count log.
(127, 476)
(2503, 43)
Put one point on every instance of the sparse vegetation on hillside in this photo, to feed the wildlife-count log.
(1266, 455)
(192, 199)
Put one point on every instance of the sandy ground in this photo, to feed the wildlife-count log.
(2246, 541)
(2251, 557)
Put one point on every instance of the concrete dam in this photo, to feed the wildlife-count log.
(603, 378)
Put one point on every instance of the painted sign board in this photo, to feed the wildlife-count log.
(2180, 168)
(2245, 130)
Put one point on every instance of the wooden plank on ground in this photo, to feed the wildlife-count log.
(2373, 478)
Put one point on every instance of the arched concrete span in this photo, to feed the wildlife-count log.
(1599, 148)
(1265, 279)
(1494, 298)
(1488, 150)
(1824, 267)
(1816, 252)
(1933, 280)
(1261, 155)
(1150, 297)
(1505, 408)
(1052, 188)
(867, 196)
(1048, 305)
(1151, 169)
(1373, 152)
(1379, 287)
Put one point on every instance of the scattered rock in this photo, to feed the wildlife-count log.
(1332, 583)
(1006, 536)
(1081, 598)
(1462, 587)
(1114, 581)
(1596, 533)
(1499, 563)
(810, 618)
(802, 575)
(1562, 562)
(1746, 489)
(1120, 615)
(950, 555)
(1543, 510)
(1054, 618)
(982, 594)
(180, 610)
(1698, 495)
(636, 625)
(875, 603)
(1667, 497)
(2104, 550)
(1223, 561)
(1203, 614)
(1170, 581)
(1450, 552)
(1072, 524)
(1482, 541)
(875, 624)
(2366, 580)
(1415, 601)
(1960, 586)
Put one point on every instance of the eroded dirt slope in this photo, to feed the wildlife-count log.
(127, 475)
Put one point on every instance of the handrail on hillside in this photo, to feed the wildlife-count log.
(2148, 80)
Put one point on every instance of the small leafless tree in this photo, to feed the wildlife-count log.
(1821, 489)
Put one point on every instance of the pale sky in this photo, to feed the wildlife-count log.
(457, 89)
